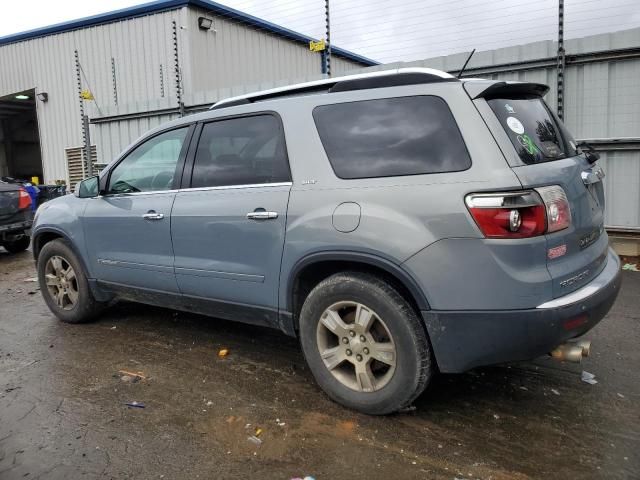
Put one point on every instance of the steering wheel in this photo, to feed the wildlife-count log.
(162, 181)
(123, 187)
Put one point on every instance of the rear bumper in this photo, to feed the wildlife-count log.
(465, 339)
(15, 227)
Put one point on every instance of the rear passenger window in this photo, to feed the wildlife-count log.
(241, 151)
(390, 137)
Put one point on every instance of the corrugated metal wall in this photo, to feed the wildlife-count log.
(113, 137)
(138, 47)
(235, 59)
(232, 57)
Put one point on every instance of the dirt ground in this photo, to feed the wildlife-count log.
(63, 412)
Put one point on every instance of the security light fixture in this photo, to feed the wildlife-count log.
(22, 97)
(205, 23)
(43, 96)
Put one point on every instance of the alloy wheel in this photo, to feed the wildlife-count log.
(61, 282)
(356, 346)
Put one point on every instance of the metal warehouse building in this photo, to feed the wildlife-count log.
(148, 64)
(143, 66)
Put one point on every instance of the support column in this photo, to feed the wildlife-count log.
(178, 73)
(327, 51)
(561, 61)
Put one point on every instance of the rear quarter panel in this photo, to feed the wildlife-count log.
(400, 216)
(579, 265)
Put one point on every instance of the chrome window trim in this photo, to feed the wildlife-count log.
(131, 194)
(198, 189)
(234, 187)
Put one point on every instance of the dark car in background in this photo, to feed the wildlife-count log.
(16, 217)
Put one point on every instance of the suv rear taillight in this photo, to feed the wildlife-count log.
(24, 199)
(524, 214)
(557, 205)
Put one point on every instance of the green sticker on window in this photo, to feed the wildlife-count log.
(527, 143)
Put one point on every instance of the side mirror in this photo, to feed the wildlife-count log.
(589, 153)
(88, 188)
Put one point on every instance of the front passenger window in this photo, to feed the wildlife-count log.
(151, 166)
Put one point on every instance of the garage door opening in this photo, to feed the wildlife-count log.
(20, 155)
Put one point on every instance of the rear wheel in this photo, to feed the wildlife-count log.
(364, 343)
(17, 246)
(64, 284)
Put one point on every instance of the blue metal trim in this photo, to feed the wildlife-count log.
(100, 19)
(164, 5)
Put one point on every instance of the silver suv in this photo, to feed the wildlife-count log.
(398, 223)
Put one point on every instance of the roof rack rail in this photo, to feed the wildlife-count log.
(381, 79)
(397, 80)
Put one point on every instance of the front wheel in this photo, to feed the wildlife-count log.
(364, 343)
(64, 284)
(17, 246)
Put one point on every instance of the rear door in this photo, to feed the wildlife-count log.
(228, 226)
(541, 153)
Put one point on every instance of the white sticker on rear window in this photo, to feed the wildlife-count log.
(515, 125)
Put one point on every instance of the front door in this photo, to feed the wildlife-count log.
(228, 227)
(128, 229)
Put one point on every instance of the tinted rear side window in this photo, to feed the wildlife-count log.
(241, 151)
(537, 135)
(391, 137)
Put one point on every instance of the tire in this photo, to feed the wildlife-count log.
(388, 388)
(85, 307)
(17, 246)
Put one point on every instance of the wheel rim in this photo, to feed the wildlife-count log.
(61, 282)
(356, 346)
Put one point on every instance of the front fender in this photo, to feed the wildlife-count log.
(62, 217)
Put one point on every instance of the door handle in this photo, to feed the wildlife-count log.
(262, 215)
(153, 216)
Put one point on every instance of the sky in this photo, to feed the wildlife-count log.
(385, 30)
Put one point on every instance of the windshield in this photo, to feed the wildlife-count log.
(536, 133)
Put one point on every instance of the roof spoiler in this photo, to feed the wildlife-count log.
(491, 89)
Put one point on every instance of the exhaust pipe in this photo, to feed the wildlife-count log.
(571, 352)
(585, 345)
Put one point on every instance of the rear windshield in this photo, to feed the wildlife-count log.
(536, 133)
